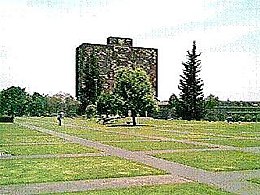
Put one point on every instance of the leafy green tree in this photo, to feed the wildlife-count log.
(108, 103)
(211, 102)
(91, 82)
(37, 105)
(13, 101)
(71, 105)
(55, 104)
(191, 87)
(211, 111)
(62, 102)
(135, 90)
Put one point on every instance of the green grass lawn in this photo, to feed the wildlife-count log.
(66, 148)
(81, 129)
(216, 160)
(69, 123)
(221, 128)
(192, 126)
(192, 130)
(233, 142)
(11, 129)
(155, 145)
(161, 128)
(87, 127)
(18, 171)
(12, 139)
(17, 140)
(107, 136)
(256, 180)
(173, 189)
(15, 134)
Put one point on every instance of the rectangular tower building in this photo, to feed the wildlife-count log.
(119, 52)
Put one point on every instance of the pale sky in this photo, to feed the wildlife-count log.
(38, 39)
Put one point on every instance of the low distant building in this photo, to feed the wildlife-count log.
(118, 52)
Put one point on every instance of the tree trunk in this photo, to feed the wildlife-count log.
(133, 117)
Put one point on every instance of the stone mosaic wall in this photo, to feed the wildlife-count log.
(117, 53)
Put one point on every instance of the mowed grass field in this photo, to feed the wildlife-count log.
(168, 135)
(151, 135)
(17, 140)
(219, 133)
(173, 189)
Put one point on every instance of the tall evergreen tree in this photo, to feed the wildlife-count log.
(191, 105)
(91, 82)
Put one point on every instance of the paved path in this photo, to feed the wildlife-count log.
(251, 149)
(74, 186)
(224, 181)
(51, 156)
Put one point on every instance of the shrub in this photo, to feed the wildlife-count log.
(250, 118)
(91, 111)
(211, 116)
(6, 119)
(162, 113)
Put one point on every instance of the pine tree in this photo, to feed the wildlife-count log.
(191, 97)
(91, 82)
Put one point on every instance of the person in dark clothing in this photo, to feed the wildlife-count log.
(59, 117)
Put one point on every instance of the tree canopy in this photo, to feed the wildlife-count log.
(15, 101)
(132, 85)
(108, 103)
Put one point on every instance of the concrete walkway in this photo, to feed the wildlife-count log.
(225, 181)
(76, 186)
(251, 149)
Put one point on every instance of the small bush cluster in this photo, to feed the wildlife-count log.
(6, 119)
